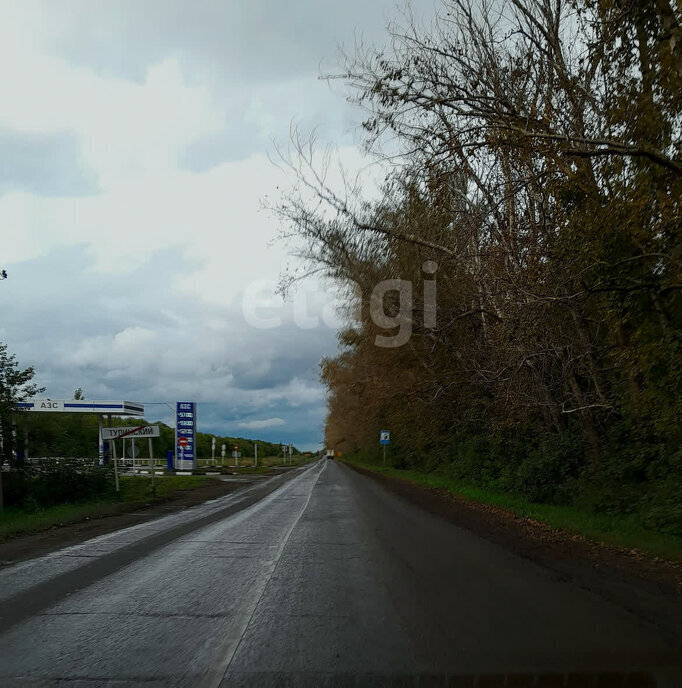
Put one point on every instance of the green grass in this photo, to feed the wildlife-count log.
(620, 531)
(264, 463)
(139, 488)
(135, 491)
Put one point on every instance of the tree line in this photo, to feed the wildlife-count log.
(533, 176)
(76, 435)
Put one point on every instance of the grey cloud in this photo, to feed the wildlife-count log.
(260, 424)
(325, 111)
(265, 53)
(235, 143)
(43, 164)
(62, 317)
(278, 370)
(239, 41)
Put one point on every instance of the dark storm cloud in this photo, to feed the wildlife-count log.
(43, 164)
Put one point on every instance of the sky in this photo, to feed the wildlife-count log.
(135, 156)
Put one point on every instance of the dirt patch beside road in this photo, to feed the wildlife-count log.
(121, 516)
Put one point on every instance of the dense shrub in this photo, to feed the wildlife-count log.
(641, 480)
(56, 481)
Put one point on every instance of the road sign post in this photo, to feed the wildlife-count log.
(122, 432)
(182, 442)
(384, 441)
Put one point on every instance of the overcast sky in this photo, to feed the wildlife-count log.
(134, 141)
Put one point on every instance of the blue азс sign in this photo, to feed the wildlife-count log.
(185, 426)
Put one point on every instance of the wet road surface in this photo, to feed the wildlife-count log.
(316, 578)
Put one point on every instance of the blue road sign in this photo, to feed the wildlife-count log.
(384, 437)
(185, 427)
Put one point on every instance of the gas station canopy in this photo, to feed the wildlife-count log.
(115, 408)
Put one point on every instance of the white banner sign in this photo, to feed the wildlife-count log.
(130, 431)
(48, 405)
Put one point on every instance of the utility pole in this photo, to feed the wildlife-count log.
(113, 447)
(100, 442)
(255, 454)
(151, 465)
(109, 424)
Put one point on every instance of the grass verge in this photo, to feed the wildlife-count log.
(264, 464)
(619, 531)
(135, 492)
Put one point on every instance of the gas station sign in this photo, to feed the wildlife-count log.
(185, 435)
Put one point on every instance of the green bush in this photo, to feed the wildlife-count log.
(549, 470)
(56, 481)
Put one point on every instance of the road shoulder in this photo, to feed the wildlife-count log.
(649, 588)
(27, 546)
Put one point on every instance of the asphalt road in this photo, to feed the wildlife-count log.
(317, 578)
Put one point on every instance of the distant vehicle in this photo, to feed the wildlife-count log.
(329, 453)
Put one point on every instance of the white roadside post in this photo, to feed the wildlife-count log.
(113, 448)
(213, 451)
(222, 454)
(109, 423)
(151, 464)
(255, 454)
(100, 442)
